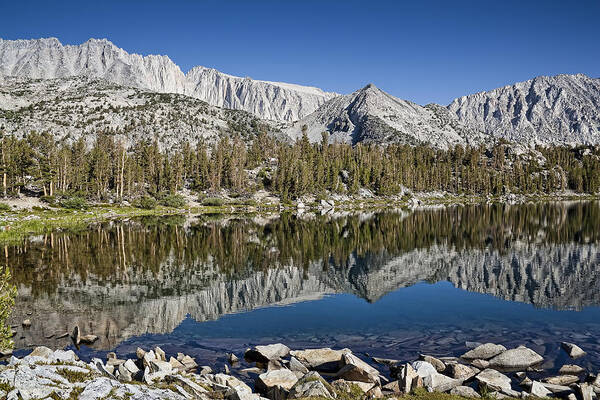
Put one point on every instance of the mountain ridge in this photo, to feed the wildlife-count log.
(100, 58)
(559, 109)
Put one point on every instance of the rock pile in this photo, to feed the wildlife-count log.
(487, 370)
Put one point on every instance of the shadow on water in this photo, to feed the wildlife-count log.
(392, 283)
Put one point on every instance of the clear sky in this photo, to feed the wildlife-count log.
(424, 51)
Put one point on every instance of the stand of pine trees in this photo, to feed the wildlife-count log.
(109, 170)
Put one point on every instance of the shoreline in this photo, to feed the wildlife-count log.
(17, 224)
(276, 372)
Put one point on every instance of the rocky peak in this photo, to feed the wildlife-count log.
(371, 115)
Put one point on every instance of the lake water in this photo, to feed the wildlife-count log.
(391, 284)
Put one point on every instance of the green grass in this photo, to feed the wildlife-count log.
(73, 376)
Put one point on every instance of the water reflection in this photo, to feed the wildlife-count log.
(120, 280)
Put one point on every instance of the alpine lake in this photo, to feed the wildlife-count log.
(392, 284)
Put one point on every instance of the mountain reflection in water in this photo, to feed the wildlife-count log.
(120, 280)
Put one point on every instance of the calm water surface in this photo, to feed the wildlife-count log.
(389, 284)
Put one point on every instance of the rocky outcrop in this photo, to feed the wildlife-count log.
(49, 59)
(562, 109)
(80, 107)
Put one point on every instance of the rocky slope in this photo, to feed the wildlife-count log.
(562, 109)
(77, 107)
(370, 115)
(48, 59)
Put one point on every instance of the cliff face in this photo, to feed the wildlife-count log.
(101, 59)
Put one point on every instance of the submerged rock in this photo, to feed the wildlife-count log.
(571, 369)
(573, 350)
(563, 380)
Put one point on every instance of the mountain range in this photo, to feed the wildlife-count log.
(39, 77)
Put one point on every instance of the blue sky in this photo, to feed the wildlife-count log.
(424, 51)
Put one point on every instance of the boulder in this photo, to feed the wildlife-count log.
(460, 371)
(559, 390)
(231, 382)
(585, 391)
(481, 364)
(384, 361)
(65, 355)
(492, 380)
(440, 383)
(465, 391)
(266, 353)
(189, 363)
(410, 379)
(177, 365)
(297, 366)
(26, 323)
(232, 358)
(160, 366)
(484, 351)
(140, 353)
(355, 369)
(148, 357)
(324, 359)
(374, 393)
(311, 385)
(131, 367)
(562, 380)
(521, 357)
(571, 369)
(160, 354)
(539, 390)
(437, 363)
(283, 378)
(423, 368)
(124, 374)
(348, 386)
(392, 388)
(573, 350)
(187, 384)
(42, 352)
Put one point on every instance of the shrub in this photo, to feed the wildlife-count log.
(51, 200)
(213, 201)
(4, 207)
(173, 200)
(74, 203)
(146, 203)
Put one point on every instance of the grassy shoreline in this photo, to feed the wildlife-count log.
(18, 224)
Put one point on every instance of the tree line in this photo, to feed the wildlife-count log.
(110, 169)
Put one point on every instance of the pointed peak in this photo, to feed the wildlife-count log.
(103, 41)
